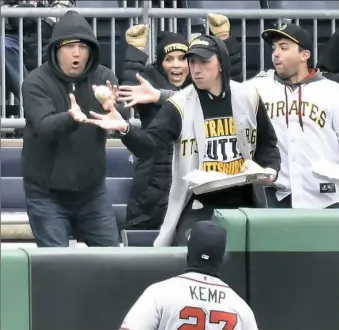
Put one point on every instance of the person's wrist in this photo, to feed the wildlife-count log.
(125, 129)
(157, 95)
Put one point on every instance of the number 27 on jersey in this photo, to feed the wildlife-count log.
(229, 320)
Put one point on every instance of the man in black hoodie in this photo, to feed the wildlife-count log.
(199, 294)
(204, 122)
(63, 159)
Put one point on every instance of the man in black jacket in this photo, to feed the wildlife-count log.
(152, 179)
(64, 160)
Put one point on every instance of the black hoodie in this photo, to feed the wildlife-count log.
(166, 128)
(59, 153)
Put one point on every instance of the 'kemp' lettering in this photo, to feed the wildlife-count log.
(203, 293)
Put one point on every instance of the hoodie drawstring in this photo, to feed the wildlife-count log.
(286, 105)
(299, 107)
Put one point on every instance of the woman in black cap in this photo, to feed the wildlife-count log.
(152, 178)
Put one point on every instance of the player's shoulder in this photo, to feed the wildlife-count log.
(161, 285)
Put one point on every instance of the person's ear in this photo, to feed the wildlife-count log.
(305, 55)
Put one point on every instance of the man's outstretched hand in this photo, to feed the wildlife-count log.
(111, 121)
(142, 94)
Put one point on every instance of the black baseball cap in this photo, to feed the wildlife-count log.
(202, 46)
(290, 31)
(206, 246)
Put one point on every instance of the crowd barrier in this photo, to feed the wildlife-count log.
(247, 26)
(285, 263)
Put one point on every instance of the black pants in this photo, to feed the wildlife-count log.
(285, 203)
(55, 217)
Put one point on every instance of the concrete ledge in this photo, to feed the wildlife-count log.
(16, 232)
(14, 218)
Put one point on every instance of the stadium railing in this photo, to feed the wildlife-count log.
(153, 16)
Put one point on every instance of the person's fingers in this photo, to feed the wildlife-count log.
(126, 99)
(109, 85)
(71, 113)
(93, 121)
(125, 93)
(140, 79)
(72, 98)
(130, 104)
(125, 88)
(96, 115)
(80, 117)
(114, 90)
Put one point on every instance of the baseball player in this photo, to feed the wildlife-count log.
(304, 110)
(197, 299)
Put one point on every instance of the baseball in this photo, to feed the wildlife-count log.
(102, 93)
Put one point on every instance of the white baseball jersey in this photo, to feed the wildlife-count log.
(190, 301)
(303, 140)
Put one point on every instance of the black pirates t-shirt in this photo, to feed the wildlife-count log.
(221, 152)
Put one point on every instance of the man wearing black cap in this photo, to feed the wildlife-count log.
(63, 159)
(198, 298)
(303, 108)
(216, 124)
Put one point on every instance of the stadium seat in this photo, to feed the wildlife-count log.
(120, 162)
(119, 189)
(142, 238)
(10, 161)
(13, 196)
